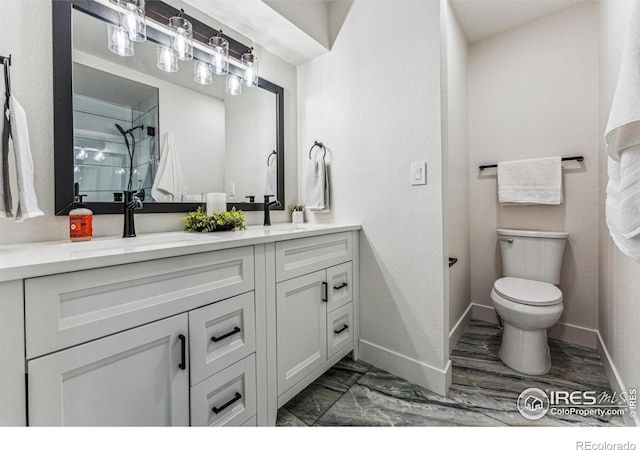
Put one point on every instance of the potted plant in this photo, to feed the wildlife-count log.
(198, 220)
(297, 213)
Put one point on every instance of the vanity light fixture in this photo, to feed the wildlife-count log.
(234, 85)
(181, 36)
(220, 56)
(167, 59)
(250, 68)
(133, 19)
(202, 73)
(119, 42)
(99, 156)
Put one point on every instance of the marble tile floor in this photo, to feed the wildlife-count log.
(483, 390)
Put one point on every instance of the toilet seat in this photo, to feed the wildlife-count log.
(528, 292)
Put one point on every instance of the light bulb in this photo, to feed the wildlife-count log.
(202, 73)
(167, 59)
(234, 86)
(99, 156)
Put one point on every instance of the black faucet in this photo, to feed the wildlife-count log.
(267, 205)
(132, 201)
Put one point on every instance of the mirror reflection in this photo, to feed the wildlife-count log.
(137, 127)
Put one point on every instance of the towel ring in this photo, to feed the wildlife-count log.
(318, 144)
(273, 153)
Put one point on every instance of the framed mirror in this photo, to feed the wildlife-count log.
(120, 123)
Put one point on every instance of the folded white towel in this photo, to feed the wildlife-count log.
(169, 183)
(19, 131)
(530, 182)
(271, 184)
(622, 136)
(317, 186)
(6, 206)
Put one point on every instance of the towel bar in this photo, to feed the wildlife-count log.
(569, 158)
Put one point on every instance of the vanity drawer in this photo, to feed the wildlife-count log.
(340, 288)
(232, 392)
(68, 309)
(220, 335)
(298, 257)
(339, 329)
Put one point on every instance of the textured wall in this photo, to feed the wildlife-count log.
(619, 284)
(533, 93)
(375, 104)
(33, 86)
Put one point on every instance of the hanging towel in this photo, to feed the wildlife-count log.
(169, 183)
(271, 185)
(16, 127)
(622, 136)
(317, 186)
(530, 182)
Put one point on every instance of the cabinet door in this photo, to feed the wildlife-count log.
(129, 379)
(301, 320)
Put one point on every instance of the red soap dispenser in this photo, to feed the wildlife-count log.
(80, 219)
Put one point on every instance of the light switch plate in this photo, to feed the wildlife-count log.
(418, 173)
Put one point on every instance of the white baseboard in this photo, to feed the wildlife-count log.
(458, 329)
(566, 332)
(617, 385)
(434, 379)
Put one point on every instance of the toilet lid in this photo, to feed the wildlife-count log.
(528, 292)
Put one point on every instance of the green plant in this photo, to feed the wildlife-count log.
(198, 220)
(296, 207)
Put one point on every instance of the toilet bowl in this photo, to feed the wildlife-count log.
(526, 298)
(527, 309)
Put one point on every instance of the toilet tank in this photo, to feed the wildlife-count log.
(534, 255)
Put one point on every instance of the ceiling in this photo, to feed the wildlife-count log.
(480, 19)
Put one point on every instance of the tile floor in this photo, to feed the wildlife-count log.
(483, 392)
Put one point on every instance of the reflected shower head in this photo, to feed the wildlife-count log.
(124, 133)
(121, 130)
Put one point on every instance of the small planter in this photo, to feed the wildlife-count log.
(297, 217)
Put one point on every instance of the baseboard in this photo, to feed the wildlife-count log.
(617, 385)
(586, 337)
(458, 329)
(434, 379)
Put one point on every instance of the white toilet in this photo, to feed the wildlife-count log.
(526, 298)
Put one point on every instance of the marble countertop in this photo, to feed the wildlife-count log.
(48, 258)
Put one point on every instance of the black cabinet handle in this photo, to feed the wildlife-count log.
(183, 350)
(343, 285)
(230, 333)
(229, 403)
(325, 287)
(344, 327)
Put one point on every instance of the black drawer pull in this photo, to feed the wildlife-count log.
(343, 285)
(326, 292)
(229, 403)
(183, 350)
(344, 327)
(230, 333)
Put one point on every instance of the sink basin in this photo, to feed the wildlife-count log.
(112, 246)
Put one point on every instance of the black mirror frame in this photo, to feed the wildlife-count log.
(63, 103)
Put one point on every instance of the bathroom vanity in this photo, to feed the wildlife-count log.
(174, 328)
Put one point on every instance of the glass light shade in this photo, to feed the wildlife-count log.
(220, 56)
(119, 42)
(250, 68)
(167, 59)
(133, 19)
(234, 85)
(99, 156)
(202, 73)
(181, 37)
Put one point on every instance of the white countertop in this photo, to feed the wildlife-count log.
(47, 258)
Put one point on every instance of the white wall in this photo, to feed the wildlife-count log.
(533, 93)
(33, 86)
(619, 283)
(375, 118)
(457, 193)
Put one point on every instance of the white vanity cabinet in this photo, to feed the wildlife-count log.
(315, 324)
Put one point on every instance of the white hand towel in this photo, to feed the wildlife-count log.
(27, 200)
(530, 182)
(216, 201)
(6, 206)
(271, 184)
(169, 183)
(317, 186)
(622, 136)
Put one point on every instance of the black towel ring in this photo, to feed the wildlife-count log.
(273, 153)
(318, 144)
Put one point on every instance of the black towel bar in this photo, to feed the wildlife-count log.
(569, 158)
(452, 261)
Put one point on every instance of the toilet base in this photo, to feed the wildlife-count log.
(525, 351)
